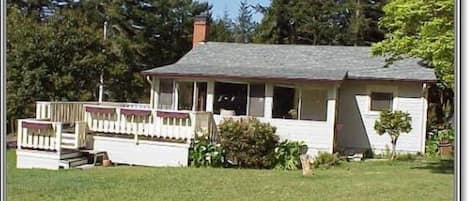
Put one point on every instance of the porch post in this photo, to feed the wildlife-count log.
(155, 92)
(424, 99)
(210, 95)
(269, 93)
(331, 114)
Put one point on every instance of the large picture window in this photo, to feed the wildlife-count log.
(313, 105)
(165, 100)
(230, 96)
(381, 101)
(284, 103)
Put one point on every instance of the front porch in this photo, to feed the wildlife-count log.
(159, 133)
(300, 110)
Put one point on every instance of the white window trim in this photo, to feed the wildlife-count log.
(382, 89)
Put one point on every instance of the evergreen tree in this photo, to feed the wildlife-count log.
(245, 26)
(221, 30)
(320, 22)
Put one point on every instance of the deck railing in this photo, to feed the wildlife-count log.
(37, 134)
(145, 122)
(48, 135)
(111, 118)
(72, 111)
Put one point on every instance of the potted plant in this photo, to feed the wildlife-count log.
(445, 142)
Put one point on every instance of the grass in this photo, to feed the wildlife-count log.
(380, 180)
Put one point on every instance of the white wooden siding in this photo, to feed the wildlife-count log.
(357, 121)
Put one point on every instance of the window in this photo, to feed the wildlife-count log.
(381, 101)
(256, 100)
(313, 105)
(185, 95)
(166, 94)
(230, 96)
(284, 103)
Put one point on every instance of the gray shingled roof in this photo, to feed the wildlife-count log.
(296, 62)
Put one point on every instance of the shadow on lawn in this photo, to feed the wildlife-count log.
(444, 166)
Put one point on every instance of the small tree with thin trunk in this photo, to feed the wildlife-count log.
(393, 123)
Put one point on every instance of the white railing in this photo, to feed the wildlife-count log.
(71, 111)
(37, 134)
(47, 135)
(144, 122)
(80, 134)
(127, 105)
(65, 112)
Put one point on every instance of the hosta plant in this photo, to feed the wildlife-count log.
(204, 153)
(287, 155)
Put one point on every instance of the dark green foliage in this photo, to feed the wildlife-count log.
(248, 142)
(203, 153)
(62, 56)
(287, 155)
(326, 160)
(320, 22)
(393, 123)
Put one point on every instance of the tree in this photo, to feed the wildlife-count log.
(60, 56)
(393, 123)
(420, 28)
(423, 29)
(245, 26)
(54, 59)
(320, 22)
(221, 30)
(363, 17)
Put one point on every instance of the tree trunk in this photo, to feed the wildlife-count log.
(393, 152)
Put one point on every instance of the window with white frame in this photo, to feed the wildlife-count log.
(230, 96)
(313, 104)
(185, 95)
(380, 101)
(165, 100)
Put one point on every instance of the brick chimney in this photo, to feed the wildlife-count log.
(201, 29)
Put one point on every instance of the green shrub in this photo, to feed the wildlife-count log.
(327, 160)
(248, 142)
(394, 123)
(287, 155)
(204, 153)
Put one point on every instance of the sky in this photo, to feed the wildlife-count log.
(232, 6)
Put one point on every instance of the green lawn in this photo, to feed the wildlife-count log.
(350, 181)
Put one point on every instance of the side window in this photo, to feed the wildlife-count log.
(166, 94)
(381, 101)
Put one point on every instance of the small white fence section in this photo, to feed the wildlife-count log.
(39, 134)
(145, 122)
(47, 135)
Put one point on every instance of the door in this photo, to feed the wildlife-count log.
(201, 96)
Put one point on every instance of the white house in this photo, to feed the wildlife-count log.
(326, 96)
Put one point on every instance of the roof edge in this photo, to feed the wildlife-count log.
(238, 77)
